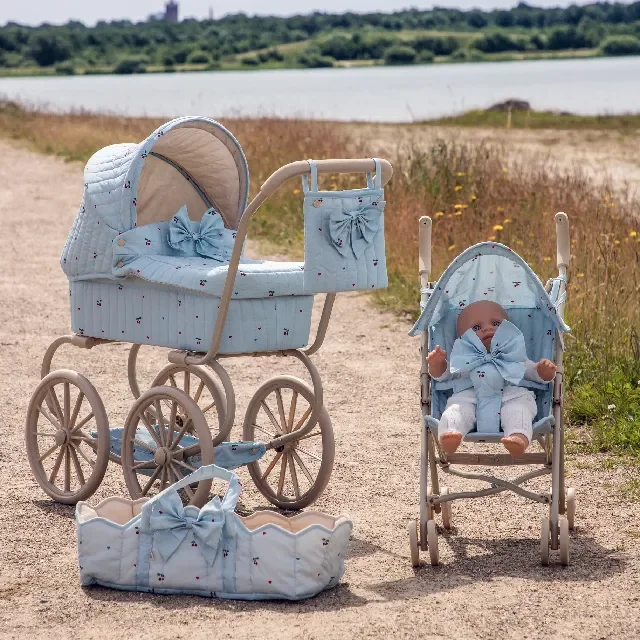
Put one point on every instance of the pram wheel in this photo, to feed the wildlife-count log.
(446, 510)
(544, 541)
(282, 405)
(412, 527)
(158, 427)
(432, 542)
(203, 389)
(571, 507)
(67, 441)
(564, 542)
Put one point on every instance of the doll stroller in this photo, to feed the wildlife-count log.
(491, 271)
(155, 257)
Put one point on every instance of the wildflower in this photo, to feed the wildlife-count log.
(438, 214)
(506, 221)
(498, 227)
(474, 198)
(505, 170)
(460, 206)
(611, 406)
(458, 213)
(547, 259)
(458, 187)
(460, 174)
(492, 238)
(296, 192)
(580, 275)
(500, 209)
(616, 242)
(451, 247)
(633, 234)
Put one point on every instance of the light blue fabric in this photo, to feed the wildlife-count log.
(207, 240)
(489, 372)
(344, 247)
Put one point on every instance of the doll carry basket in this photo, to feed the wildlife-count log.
(157, 545)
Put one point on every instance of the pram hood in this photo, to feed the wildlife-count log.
(487, 271)
(191, 160)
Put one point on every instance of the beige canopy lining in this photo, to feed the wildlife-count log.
(192, 166)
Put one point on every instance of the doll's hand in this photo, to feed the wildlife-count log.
(437, 362)
(546, 369)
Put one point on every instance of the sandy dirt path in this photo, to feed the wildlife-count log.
(490, 585)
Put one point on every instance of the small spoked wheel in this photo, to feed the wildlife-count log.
(295, 475)
(564, 542)
(432, 542)
(165, 438)
(571, 507)
(203, 389)
(67, 436)
(412, 528)
(446, 510)
(544, 541)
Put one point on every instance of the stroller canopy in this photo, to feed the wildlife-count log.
(487, 271)
(193, 161)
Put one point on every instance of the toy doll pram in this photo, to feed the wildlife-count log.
(491, 271)
(155, 257)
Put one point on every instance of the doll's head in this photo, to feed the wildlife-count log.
(484, 318)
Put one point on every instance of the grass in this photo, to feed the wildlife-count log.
(472, 196)
(538, 120)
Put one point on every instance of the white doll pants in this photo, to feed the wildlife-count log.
(516, 415)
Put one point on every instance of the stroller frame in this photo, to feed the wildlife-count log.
(45, 402)
(436, 499)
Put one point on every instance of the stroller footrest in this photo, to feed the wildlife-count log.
(497, 459)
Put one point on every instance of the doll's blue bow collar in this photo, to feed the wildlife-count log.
(207, 240)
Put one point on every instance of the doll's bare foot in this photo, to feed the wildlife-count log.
(516, 444)
(450, 441)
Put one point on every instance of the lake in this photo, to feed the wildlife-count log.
(389, 94)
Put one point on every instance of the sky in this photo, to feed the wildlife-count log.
(35, 12)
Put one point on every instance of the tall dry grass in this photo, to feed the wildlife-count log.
(472, 196)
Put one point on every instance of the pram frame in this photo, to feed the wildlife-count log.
(433, 457)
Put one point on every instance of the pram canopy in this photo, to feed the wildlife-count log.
(192, 161)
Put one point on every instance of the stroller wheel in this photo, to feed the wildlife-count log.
(544, 541)
(67, 436)
(295, 475)
(412, 527)
(564, 542)
(432, 541)
(165, 438)
(446, 510)
(571, 507)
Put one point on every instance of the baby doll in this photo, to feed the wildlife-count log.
(482, 328)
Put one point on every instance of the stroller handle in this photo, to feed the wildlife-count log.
(424, 248)
(301, 167)
(562, 236)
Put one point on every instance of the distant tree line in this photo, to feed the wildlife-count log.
(128, 47)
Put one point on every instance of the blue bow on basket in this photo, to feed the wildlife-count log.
(354, 231)
(507, 353)
(170, 526)
(207, 241)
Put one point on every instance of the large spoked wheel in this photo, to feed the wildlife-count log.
(67, 436)
(158, 445)
(294, 476)
(201, 387)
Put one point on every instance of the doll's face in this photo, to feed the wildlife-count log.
(484, 318)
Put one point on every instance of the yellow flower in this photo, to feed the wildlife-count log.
(296, 192)
(633, 234)
(460, 174)
(460, 206)
(458, 187)
(438, 214)
(505, 170)
(616, 242)
(506, 221)
(547, 259)
(492, 238)
(580, 275)
(458, 213)
(500, 209)
(451, 247)
(498, 227)
(474, 198)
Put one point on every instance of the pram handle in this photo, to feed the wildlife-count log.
(301, 167)
(562, 236)
(424, 246)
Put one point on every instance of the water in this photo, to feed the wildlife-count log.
(389, 94)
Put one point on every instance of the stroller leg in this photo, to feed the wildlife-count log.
(435, 484)
(424, 475)
(555, 485)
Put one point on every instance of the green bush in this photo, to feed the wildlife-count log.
(199, 57)
(311, 58)
(400, 54)
(425, 57)
(250, 61)
(621, 46)
(498, 42)
(66, 68)
(48, 48)
(129, 66)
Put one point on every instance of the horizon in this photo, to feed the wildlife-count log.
(65, 11)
